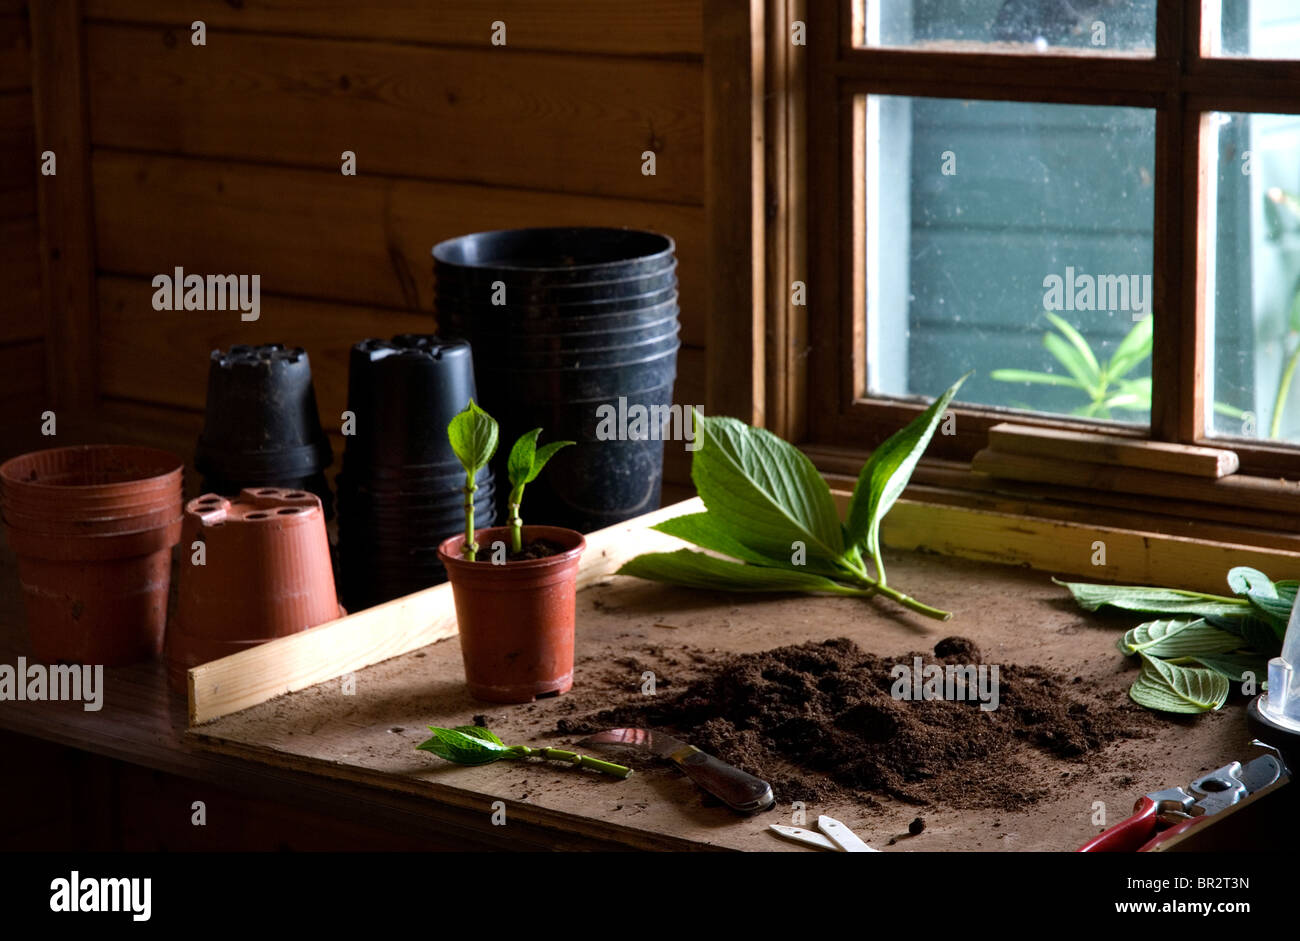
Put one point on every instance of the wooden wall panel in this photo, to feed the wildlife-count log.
(163, 356)
(564, 123)
(639, 28)
(15, 51)
(320, 235)
(20, 283)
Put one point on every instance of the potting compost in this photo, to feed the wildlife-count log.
(819, 721)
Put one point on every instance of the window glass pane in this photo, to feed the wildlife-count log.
(1013, 239)
(1254, 277)
(1098, 27)
(1260, 29)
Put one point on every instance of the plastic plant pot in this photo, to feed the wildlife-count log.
(575, 341)
(632, 307)
(403, 392)
(94, 480)
(266, 573)
(558, 255)
(261, 422)
(99, 599)
(516, 620)
(316, 484)
(492, 288)
(510, 358)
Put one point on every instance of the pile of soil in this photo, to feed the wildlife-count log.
(818, 721)
(536, 549)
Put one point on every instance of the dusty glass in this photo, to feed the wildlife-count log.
(1093, 27)
(1015, 240)
(1253, 277)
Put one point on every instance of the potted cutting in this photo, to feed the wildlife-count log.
(515, 586)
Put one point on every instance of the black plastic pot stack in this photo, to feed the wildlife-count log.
(401, 487)
(563, 321)
(261, 427)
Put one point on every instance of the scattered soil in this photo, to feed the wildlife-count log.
(818, 721)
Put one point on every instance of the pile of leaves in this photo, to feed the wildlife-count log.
(769, 511)
(1203, 643)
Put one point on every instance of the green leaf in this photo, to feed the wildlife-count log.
(1073, 352)
(544, 454)
(704, 530)
(1244, 580)
(463, 748)
(1133, 349)
(1167, 687)
(1234, 666)
(1293, 318)
(1145, 600)
(1256, 632)
(520, 463)
(886, 473)
(693, 569)
(1177, 637)
(473, 437)
(477, 731)
(764, 491)
(1041, 378)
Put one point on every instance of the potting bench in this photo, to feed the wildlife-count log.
(338, 745)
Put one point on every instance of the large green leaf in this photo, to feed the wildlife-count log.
(766, 492)
(1255, 631)
(1145, 600)
(463, 748)
(1168, 687)
(1132, 350)
(473, 437)
(886, 473)
(704, 530)
(1178, 637)
(1234, 666)
(697, 570)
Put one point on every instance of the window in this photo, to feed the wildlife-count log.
(1093, 205)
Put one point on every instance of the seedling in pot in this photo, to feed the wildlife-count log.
(525, 463)
(473, 436)
(475, 745)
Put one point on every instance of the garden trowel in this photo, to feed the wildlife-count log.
(738, 790)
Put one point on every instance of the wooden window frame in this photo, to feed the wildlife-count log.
(816, 354)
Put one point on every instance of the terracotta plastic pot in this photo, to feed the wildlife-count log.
(95, 480)
(516, 620)
(266, 574)
(94, 525)
(96, 599)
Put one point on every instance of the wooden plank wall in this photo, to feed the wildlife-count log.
(225, 158)
(22, 326)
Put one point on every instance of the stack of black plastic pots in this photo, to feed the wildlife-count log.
(401, 487)
(261, 427)
(563, 321)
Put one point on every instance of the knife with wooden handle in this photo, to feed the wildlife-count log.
(737, 789)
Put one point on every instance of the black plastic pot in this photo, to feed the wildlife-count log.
(636, 305)
(403, 393)
(260, 419)
(261, 427)
(527, 341)
(532, 362)
(579, 385)
(496, 292)
(554, 256)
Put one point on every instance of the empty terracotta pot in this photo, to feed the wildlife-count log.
(516, 619)
(90, 481)
(93, 528)
(265, 573)
(96, 599)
